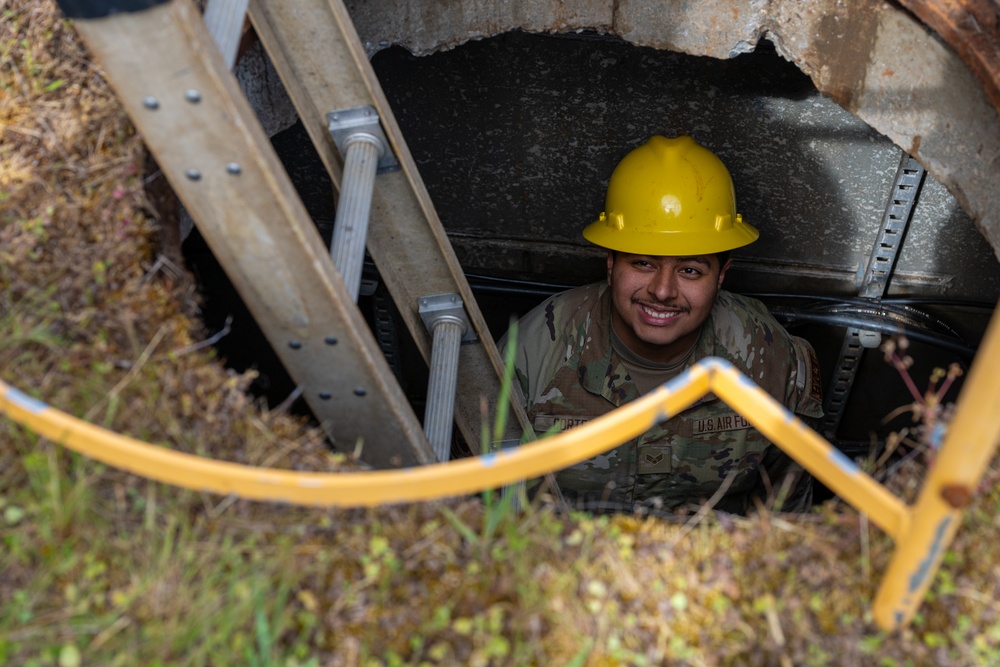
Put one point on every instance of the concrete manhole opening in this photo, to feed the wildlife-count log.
(515, 136)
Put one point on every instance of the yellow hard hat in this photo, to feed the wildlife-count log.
(670, 197)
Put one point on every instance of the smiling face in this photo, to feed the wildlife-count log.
(659, 303)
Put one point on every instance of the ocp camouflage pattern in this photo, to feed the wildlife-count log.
(568, 373)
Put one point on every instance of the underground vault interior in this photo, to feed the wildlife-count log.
(516, 135)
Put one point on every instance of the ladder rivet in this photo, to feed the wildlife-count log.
(325, 395)
(192, 96)
(294, 344)
(193, 174)
(360, 391)
(234, 168)
(151, 102)
(330, 340)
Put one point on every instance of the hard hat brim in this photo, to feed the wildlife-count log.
(670, 243)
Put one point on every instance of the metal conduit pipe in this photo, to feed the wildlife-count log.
(350, 227)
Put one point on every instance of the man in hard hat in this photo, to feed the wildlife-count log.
(669, 225)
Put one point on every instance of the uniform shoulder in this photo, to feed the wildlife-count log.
(742, 324)
(746, 312)
(552, 316)
(742, 305)
(553, 334)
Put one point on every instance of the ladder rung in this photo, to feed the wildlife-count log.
(405, 237)
(224, 20)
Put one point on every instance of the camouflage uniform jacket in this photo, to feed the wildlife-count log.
(569, 373)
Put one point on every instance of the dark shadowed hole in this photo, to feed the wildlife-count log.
(515, 137)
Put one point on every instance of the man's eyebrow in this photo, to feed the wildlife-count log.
(700, 259)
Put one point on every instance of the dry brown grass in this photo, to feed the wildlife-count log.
(100, 567)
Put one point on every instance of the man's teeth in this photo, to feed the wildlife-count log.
(657, 314)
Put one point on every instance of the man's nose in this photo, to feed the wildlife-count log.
(664, 285)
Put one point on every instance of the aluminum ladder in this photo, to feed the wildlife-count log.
(176, 85)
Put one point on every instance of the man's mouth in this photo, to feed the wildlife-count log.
(662, 315)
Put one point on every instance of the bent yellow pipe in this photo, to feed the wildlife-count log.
(922, 532)
(826, 463)
(365, 488)
(474, 474)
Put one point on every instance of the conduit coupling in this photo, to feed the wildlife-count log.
(445, 318)
(365, 150)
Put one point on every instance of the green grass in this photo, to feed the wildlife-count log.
(119, 570)
(99, 567)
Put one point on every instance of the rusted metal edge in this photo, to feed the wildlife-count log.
(972, 29)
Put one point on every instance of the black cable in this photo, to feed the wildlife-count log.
(907, 317)
(876, 324)
(890, 316)
(900, 306)
(492, 285)
(909, 301)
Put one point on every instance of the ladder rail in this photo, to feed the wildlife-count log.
(205, 137)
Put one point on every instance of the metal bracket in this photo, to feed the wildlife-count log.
(840, 384)
(898, 213)
(445, 306)
(345, 124)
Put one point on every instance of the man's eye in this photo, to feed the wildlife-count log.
(691, 271)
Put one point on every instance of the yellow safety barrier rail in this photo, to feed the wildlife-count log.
(922, 532)
(369, 488)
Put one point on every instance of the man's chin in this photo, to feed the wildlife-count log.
(661, 339)
(658, 346)
(658, 339)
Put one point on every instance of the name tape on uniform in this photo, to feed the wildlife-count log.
(728, 422)
(562, 422)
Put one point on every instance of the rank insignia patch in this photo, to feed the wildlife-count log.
(655, 459)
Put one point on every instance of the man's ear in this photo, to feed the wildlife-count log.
(611, 263)
(723, 269)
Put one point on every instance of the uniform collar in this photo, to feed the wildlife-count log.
(601, 369)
